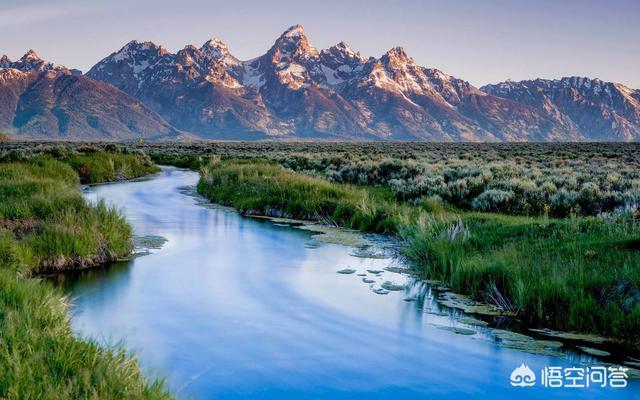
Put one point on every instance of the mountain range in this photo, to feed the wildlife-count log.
(296, 91)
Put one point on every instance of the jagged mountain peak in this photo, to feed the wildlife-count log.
(31, 55)
(597, 109)
(30, 61)
(141, 44)
(397, 54)
(344, 52)
(216, 50)
(137, 49)
(295, 89)
(294, 31)
(584, 85)
(293, 43)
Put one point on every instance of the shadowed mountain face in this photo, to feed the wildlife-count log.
(41, 99)
(593, 109)
(297, 91)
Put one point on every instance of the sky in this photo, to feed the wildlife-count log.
(482, 41)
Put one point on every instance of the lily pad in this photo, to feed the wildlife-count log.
(594, 352)
(551, 344)
(392, 286)
(573, 336)
(333, 235)
(366, 280)
(532, 347)
(466, 304)
(149, 241)
(511, 336)
(368, 253)
(458, 330)
(472, 321)
(380, 291)
(375, 271)
(346, 271)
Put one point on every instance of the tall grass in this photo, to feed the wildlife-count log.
(579, 274)
(102, 167)
(267, 189)
(575, 274)
(41, 359)
(45, 224)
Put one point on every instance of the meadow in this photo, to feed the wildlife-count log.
(547, 231)
(577, 273)
(533, 179)
(46, 225)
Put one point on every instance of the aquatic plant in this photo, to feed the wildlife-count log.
(561, 273)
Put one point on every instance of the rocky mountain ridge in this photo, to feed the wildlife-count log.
(295, 90)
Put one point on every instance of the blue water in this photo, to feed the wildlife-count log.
(234, 308)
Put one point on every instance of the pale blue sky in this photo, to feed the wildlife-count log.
(481, 41)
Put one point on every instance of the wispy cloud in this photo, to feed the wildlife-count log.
(36, 13)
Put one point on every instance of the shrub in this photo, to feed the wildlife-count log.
(563, 203)
(494, 200)
(590, 198)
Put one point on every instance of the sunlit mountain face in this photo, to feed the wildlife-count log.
(295, 90)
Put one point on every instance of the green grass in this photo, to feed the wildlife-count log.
(110, 166)
(46, 225)
(266, 188)
(575, 274)
(40, 358)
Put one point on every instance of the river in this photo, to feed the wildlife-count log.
(233, 307)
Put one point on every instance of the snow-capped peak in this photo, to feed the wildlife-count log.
(398, 54)
(345, 52)
(294, 31)
(136, 49)
(294, 43)
(31, 55)
(31, 62)
(218, 51)
(215, 48)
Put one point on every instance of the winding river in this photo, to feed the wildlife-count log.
(233, 308)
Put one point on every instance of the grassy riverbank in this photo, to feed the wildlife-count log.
(578, 273)
(45, 225)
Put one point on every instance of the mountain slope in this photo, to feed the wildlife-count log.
(38, 98)
(296, 90)
(593, 109)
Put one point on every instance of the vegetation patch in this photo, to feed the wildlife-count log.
(458, 330)
(46, 225)
(561, 273)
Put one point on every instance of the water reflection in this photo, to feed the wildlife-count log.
(232, 307)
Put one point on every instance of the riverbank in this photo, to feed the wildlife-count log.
(578, 273)
(46, 225)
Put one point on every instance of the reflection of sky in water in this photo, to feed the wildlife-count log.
(233, 307)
